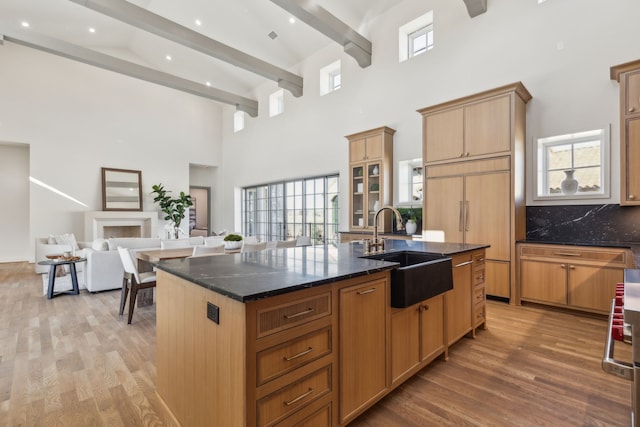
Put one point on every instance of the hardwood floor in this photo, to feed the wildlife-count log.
(72, 361)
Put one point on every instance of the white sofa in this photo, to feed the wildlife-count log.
(103, 270)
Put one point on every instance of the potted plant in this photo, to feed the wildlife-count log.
(232, 241)
(411, 225)
(173, 208)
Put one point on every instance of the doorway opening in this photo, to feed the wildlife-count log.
(199, 216)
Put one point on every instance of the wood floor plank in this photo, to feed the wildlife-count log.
(72, 361)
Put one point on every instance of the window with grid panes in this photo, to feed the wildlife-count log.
(287, 210)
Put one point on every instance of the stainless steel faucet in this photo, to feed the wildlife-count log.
(375, 244)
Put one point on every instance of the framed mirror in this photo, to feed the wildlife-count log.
(121, 190)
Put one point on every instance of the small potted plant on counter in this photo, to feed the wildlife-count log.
(232, 241)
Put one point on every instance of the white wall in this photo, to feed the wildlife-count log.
(77, 118)
(512, 41)
(14, 187)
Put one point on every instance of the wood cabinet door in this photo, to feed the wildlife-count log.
(358, 150)
(497, 278)
(487, 127)
(444, 207)
(543, 281)
(358, 196)
(632, 167)
(458, 299)
(487, 213)
(363, 357)
(374, 147)
(632, 82)
(593, 288)
(405, 340)
(444, 135)
(431, 328)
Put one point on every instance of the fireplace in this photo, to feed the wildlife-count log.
(106, 224)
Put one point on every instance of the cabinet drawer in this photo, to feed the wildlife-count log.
(479, 314)
(289, 315)
(319, 418)
(478, 259)
(279, 360)
(478, 276)
(576, 254)
(479, 295)
(276, 406)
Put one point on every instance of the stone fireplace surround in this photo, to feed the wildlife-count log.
(106, 224)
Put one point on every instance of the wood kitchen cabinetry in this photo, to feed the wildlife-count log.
(363, 346)
(474, 177)
(282, 373)
(465, 309)
(371, 178)
(578, 277)
(628, 75)
(417, 337)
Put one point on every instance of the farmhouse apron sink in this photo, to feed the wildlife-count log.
(419, 276)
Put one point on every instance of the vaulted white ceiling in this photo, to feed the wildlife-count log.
(244, 25)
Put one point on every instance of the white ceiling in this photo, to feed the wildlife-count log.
(241, 24)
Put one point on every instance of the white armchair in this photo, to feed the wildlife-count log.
(48, 246)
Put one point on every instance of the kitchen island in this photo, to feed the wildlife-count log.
(300, 335)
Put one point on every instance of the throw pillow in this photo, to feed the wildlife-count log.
(100, 245)
(67, 239)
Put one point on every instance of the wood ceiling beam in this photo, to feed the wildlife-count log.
(111, 63)
(148, 21)
(319, 18)
(476, 7)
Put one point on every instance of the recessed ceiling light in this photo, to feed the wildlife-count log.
(198, 22)
(208, 83)
(168, 57)
(292, 20)
(92, 30)
(25, 24)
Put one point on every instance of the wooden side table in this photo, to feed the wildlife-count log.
(53, 265)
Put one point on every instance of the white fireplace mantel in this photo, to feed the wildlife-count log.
(94, 222)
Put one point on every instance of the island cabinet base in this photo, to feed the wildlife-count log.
(318, 356)
(270, 362)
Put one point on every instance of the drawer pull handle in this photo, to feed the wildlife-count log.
(302, 353)
(462, 264)
(299, 398)
(567, 254)
(302, 313)
(631, 110)
(632, 197)
(368, 291)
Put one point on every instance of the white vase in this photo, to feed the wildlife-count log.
(376, 206)
(411, 227)
(569, 185)
(376, 170)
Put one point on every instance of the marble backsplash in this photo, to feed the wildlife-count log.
(583, 223)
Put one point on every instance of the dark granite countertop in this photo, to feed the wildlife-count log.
(254, 275)
(634, 246)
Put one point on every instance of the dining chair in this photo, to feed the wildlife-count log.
(174, 243)
(214, 241)
(253, 247)
(252, 240)
(207, 250)
(286, 244)
(303, 241)
(433, 235)
(132, 281)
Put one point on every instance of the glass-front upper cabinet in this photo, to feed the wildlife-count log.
(371, 169)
